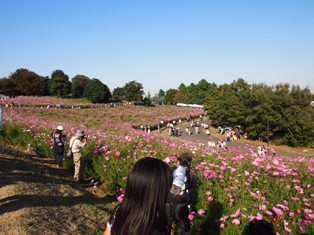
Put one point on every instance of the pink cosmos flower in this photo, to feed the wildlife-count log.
(268, 213)
(210, 199)
(287, 229)
(278, 211)
(201, 212)
(222, 226)
(117, 154)
(236, 221)
(167, 160)
(262, 207)
(191, 216)
(120, 198)
(236, 214)
(258, 216)
(107, 158)
(291, 214)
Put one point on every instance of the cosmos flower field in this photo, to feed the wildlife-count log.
(234, 185)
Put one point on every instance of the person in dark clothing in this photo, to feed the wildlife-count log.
(259, 227)
(179, 197)
(58, 140)
(143, 209)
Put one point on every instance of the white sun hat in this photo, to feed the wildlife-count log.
(60, 128)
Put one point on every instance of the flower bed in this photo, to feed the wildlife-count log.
(235, 185)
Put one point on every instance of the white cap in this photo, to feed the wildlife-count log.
(60, 128)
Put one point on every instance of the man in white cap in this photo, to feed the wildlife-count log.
(58, 140)
(76, 143)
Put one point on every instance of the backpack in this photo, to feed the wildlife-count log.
(58, 143)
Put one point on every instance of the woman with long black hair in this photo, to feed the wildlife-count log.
(143, 209)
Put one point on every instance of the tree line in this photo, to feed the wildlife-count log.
(280, 113)
(25, 82)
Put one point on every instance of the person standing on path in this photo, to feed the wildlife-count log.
(77, 142)
(58, 140)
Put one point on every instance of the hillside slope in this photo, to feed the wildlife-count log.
(36, 198)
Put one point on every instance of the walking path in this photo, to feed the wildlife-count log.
(203, 139)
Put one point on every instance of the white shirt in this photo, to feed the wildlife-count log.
(76, 144)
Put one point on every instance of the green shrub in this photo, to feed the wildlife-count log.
(17, 134)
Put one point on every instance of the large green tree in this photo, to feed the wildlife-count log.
(28, 83)
(78, 85)
(133, 91)
(161, 93)
(7, 87)
(59, 84)
(96, 91)
(170, 96)
(118, 94)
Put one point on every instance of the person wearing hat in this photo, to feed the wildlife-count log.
(179, 197)
(58, 140)
(76, 143)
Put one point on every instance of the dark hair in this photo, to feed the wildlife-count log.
(260, 227)
(185, 159)
(143, 210)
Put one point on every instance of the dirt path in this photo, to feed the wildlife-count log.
(36, 198)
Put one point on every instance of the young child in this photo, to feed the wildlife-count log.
(179, 176)
(179, 196)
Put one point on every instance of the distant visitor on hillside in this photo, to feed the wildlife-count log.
(77, 142)
(143, 209)
(58, 139)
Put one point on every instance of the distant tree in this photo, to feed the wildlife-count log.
(59, 84)
(118, 94)
(202, 91)
(182, 94)
(161, 93)
(28, 83)
(170, 96)
(96, 91)
(133, 91)
(7, 87)
(78, 84)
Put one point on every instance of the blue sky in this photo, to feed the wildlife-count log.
(161, 43)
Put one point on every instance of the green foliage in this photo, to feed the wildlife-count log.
(161, 93)
(7, 87)
(59, 84)
(41, 145)
(131, 91)
(16, 134)
(110, 166)
(24, 82)
(170, 96)
(96, 91)
(118, 94)
(281, 113)
(78, 85)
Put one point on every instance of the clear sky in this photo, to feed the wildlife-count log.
(161, 43)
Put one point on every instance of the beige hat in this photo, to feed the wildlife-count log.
(80, 133)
